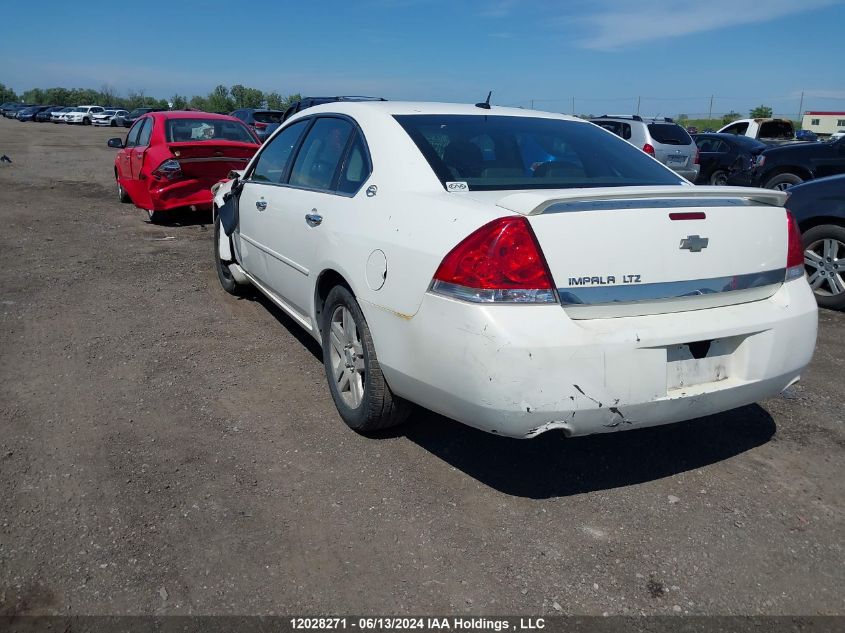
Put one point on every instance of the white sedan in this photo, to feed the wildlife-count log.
(517, 271)
(107, 117)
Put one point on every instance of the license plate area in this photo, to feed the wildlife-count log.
(676, 159)
(699, 362)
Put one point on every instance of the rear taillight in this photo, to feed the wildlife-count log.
(794, 250)
(169, 170)
(258, 125)
(697, 159)
(499, 263)
(648, 149)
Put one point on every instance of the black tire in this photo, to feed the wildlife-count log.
(828, 275)
(86, 121)
(112, 124)
(225, 276)
(378, 408)
(782, 181)
(122, 196)
(156, 217)
(718, 177)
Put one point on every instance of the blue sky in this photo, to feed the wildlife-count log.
(673, 54)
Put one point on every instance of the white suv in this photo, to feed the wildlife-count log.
(83, 114)
(662, 139)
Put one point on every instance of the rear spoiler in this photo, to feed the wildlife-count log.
(535, 203)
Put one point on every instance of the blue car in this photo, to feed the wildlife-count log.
(28, 114)
(819, 208)
(805, 135)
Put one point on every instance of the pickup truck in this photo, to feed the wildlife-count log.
(768, 131)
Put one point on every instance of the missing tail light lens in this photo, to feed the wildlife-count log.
(169, 170)
(499, 263)
(794, 251)
(648, 149)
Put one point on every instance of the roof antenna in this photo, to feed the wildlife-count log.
(485, 104)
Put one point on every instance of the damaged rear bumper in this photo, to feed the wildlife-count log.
(522, 370)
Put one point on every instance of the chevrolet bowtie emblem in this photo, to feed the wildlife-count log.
(694, 243)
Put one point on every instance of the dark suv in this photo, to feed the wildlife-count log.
(259, 119)
(130, 118)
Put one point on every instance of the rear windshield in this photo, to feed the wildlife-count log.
(187, 130)
(748, 143)
(511, 152)
(776, 129)
(669, 134)
(268, 117)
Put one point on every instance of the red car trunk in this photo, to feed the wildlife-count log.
(205, 160)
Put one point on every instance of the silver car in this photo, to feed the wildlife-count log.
(661, 138)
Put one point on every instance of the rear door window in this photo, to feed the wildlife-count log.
(669, 134)
(319, 157)
(736, 128)
(146, 132)
(356, 168)
(271, 165)
(132, 137)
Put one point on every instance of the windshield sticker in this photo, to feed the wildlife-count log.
(457, 186)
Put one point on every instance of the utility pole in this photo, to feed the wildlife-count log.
(638, 105)
(573, 106)
(801, 109)
(532, 104)
(710, 114)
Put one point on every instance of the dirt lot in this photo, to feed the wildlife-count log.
(167, 448)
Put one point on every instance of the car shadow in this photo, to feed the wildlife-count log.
(288, 323)
(552, 465)
(185, 217)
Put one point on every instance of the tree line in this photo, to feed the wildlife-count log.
(222, 99)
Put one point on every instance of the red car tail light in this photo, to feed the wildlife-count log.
(258, 125)
(697, 160)
(169, 170)
(499, 263)
(648, 149)
(794, 250)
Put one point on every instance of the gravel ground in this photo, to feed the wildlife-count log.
(169, 449)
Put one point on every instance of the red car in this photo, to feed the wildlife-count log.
(171, 159)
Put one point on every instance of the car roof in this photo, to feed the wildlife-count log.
(190, 114)
(391, 108)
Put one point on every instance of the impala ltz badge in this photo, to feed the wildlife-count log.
(694, 243)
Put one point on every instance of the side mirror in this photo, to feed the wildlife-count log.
(116, 143)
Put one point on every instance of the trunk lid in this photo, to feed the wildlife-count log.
(211, 160)
(637, 251)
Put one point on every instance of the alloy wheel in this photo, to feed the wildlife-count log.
(825, 263)
(347, 357)
(719, 178)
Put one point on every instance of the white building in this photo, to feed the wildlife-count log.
(823, 122)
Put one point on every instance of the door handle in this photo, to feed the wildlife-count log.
(313, 219)
(261, 205)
